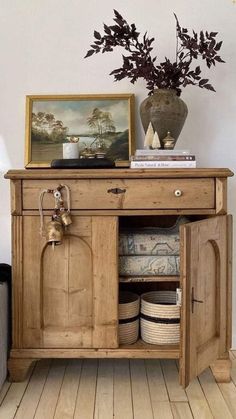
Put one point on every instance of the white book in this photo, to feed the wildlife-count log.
(156, 164)
(175, 152)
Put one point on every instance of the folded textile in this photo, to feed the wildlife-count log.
(148, 265)
(148, 243)
(151, 240)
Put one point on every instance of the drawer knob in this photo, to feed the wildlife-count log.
(178, 192)
(116, 191)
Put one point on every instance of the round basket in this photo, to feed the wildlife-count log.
(128, 317)
(160, 318)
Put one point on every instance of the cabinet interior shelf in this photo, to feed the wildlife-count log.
(158, 351)
(150, 278)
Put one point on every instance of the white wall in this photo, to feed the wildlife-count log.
(42, 45)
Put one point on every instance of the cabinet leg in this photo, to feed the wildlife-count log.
(221, 370)
(19, 368)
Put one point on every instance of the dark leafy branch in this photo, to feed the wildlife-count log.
(139, 63)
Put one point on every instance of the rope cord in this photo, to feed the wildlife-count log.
(41, 196)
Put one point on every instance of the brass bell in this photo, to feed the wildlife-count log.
(54, 232)
(66, 218)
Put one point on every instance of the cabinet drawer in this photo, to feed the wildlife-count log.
(126, 193)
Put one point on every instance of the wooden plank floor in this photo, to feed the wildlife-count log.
(120, 389)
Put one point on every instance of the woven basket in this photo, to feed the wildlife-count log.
(128, 317)
(160, 318)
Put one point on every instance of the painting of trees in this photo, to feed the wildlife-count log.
(101, 122)
(45, 127)
(102, 125)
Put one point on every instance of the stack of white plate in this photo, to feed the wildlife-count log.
(129, 304)
(160, 318)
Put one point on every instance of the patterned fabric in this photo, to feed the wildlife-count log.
(151, 241)
(149, 265)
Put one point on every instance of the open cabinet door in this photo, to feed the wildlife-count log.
(205, 283)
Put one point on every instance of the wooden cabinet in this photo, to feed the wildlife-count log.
(65, 301)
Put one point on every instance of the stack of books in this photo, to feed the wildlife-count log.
(155, 159)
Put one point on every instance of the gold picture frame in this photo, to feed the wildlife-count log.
(101, 120)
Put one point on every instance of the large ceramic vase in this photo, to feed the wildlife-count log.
(166, 111)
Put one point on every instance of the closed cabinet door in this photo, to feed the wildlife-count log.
(70, 293)
(206, 294)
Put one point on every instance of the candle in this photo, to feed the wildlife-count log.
(70, 150)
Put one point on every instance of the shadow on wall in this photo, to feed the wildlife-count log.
(5, 163)
(5, 221)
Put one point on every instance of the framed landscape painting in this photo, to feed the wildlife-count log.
(100, 123)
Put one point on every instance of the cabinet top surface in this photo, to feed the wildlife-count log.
(116, 173)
